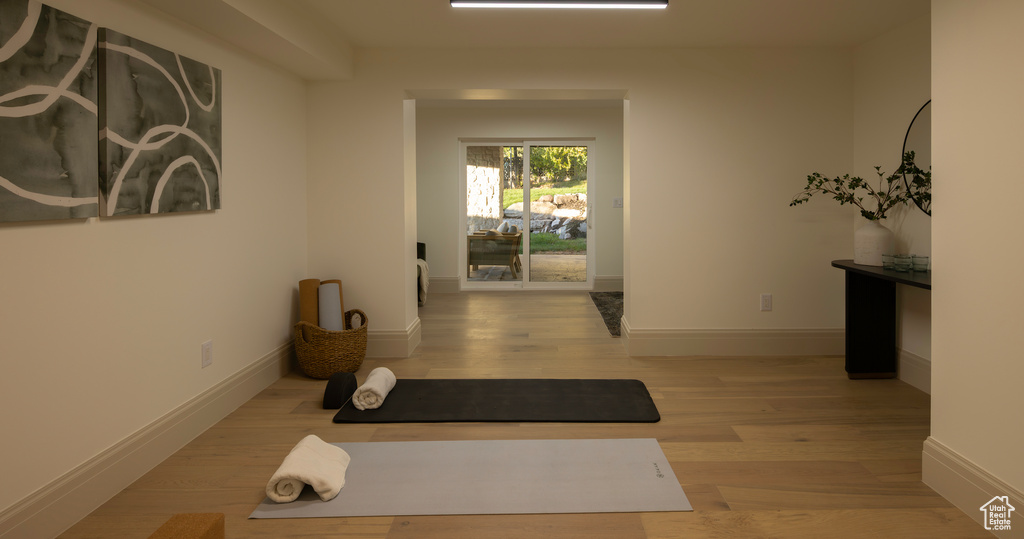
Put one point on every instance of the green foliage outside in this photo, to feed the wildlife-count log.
(550, 164)
(554, 170)
(545, 242)
(513, 196)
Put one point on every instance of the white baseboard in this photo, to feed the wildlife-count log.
(394, 343)
(916, 371)
(57, 506)
(966, 485)
(608, 283)
(732, 342)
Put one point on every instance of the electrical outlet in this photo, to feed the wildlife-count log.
(617, 202)
(766, 302)
(207, 353)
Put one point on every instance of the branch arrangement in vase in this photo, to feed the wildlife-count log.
(890, 192)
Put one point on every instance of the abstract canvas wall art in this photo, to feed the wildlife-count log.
(160, 129)
(48, 107)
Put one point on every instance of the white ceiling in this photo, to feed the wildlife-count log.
(686, 23)
(317, 39)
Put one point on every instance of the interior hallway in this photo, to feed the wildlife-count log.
(785, 446)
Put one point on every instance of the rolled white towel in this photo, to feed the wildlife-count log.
(423, 279)
(375, 389)
(312, 462)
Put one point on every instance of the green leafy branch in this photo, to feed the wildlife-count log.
(920, 182)
(853, 190)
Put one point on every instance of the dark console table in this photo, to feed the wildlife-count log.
(871, 317)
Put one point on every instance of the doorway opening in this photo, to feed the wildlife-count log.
(527, 217)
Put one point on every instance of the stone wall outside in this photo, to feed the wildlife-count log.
(484, 189)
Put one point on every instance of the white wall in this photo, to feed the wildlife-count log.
(720, 141)
(438, 132)
(978, 188)
(102, 319)
(892, 82)
(356, 198)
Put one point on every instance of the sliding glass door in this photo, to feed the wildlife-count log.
(526, 221)
(557, 178)
(492, 176)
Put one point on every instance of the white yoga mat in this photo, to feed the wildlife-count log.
(496, 477)
(331, 317)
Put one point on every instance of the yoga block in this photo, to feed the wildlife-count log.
(192, 526)
(339, 390)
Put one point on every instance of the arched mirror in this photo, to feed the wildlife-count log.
(919, 141)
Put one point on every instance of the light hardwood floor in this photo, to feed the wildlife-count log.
(763, 447)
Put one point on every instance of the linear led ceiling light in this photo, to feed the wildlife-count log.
(563, 4)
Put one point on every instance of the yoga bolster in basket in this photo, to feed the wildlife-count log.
(331, 315)
(309, 309)
(321, 353)
(339, 390)
(341, 294)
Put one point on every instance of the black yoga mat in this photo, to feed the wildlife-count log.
(512, 400)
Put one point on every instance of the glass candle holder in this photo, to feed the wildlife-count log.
(888, 262)
(902, 263)
(919, 263)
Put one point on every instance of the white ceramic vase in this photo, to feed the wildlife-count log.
(870, 242)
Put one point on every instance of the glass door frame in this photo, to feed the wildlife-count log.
(588, 283)
(524, 282)
(463, 254)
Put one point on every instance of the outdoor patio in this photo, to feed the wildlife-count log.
(556, 268)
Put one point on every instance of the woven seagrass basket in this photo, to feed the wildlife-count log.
(323, 352)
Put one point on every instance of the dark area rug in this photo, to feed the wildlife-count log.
(609, 304)
(512, 400)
